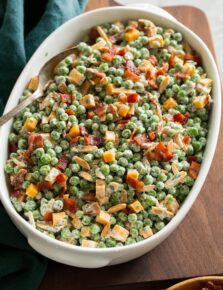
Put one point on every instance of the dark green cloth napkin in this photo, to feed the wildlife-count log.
(21, 267)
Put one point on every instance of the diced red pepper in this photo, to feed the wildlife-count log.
(70, 112)
(180, 118)
(88, 196)
(62, 163)
(61, 178)
(186, 139)
(38, 141)
(48, 216)
(149, 75)
(66, 98)
(133, 98)
(70, 204)
(42, 185)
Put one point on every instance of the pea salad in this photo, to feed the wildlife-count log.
(110, 152)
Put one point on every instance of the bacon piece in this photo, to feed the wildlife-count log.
(131, 75)
(48, 216)
(171, 61)
(12, 147)
(61, 179)
(18, 178)
(130, 66)
(70, 204)
(160, 153)
(95, 140)
(122, 51)
(91, 209)
(135, 183)
(93, 35)
(133, 98)
(16, 193)
(182, 76)
(192, 158)
(62, 163)
(153, 60)
(86, 140)
(89, 196)
(66, 98)
(194, 57)
(194, 169)
(180, 118)
(100, 110)
(152, 136)
(140, 139)
(42, 185)
(75, 140)
(70, 112)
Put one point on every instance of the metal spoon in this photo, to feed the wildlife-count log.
(45, 74)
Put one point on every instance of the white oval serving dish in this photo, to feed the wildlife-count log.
(72, 32)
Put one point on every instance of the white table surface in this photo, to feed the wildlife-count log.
(214, 12)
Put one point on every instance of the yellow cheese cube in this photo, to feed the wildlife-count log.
(136, 206)
(170, 104)
(85, 232)
(123, 110)
(109, 156)
(119, 233)
(110, 136)
(132, 173)
(30, 124)
(74, 131)
(59, 219)
(103, 217)
(89, 244)
(76, 77)
(131, 34)
(200, 101)
(146, 232)
(88, 101)
(32, 190)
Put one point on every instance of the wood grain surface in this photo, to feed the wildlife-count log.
(194, 249)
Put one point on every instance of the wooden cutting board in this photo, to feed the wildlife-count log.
(194, 249)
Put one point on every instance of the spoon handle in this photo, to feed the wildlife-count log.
(5, 118)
